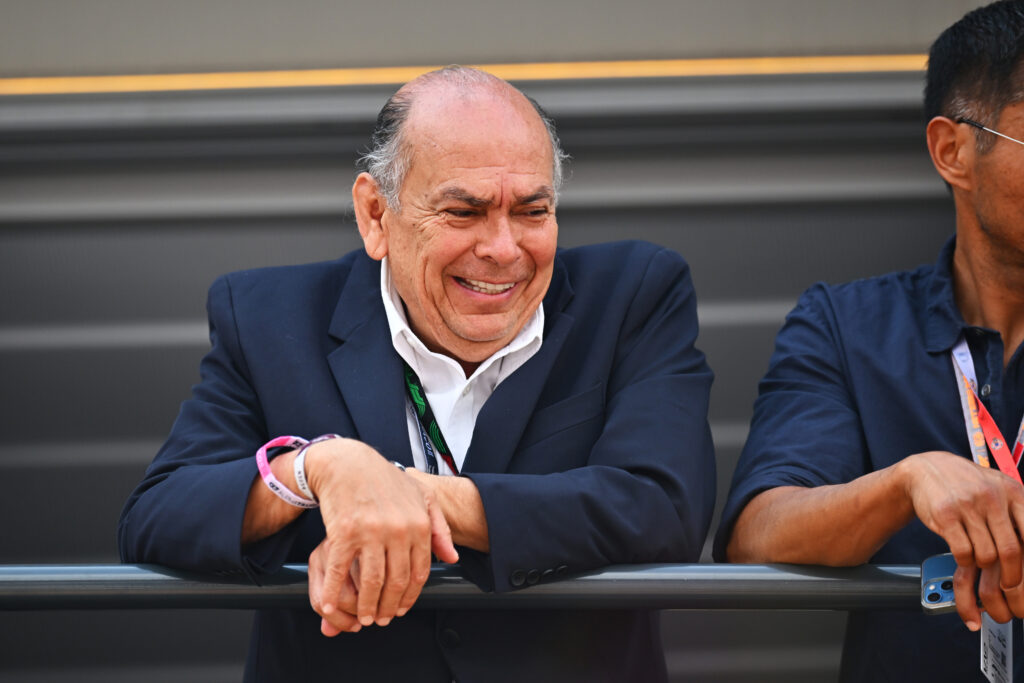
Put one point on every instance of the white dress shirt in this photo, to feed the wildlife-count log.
(455, 399)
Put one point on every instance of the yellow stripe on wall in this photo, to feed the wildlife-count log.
(659, 68)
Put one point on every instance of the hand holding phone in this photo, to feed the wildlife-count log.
(937, 584)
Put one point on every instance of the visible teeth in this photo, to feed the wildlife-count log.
(487, 287)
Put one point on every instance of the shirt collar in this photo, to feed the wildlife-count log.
(943, 322)
(413, 350)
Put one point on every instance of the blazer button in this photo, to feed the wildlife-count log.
(450, 638)
(518, 578)
(532, 577)
(547, 574)
(562, 571)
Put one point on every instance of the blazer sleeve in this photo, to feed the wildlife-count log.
(188, 510)
(646, 492)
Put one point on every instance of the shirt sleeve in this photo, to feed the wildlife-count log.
(646, 490)
(188, 510)
(806, 429)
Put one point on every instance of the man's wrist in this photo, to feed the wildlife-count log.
(271, 476)
(339, 451)
(315, 464)
(903, 475)
(299, 466)
(463, 509)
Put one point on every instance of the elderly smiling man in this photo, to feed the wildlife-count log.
(562, 388)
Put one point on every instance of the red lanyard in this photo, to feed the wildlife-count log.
(981, 428)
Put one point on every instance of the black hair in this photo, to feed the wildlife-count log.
(975, 66)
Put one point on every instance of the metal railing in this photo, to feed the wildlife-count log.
(663, 586)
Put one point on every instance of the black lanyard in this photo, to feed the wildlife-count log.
(434, 445)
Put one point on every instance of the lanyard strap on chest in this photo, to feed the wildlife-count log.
(435, 448)
(982, 430)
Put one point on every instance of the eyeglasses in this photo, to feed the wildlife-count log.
(977, 125)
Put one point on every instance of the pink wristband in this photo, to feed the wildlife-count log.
(279, 489)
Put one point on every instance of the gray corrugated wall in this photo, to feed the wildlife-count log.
(61, 37)
(117, 211)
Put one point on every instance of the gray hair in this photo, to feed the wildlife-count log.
(387, 160)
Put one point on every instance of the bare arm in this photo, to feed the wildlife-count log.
(265, 513)
(976, 510)
(840, 525)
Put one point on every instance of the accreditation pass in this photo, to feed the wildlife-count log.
(996, 649)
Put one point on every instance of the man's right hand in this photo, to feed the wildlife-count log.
(978, 511)
(381, 528)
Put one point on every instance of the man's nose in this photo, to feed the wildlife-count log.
(499, 241)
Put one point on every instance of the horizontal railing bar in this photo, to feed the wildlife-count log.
(663, 586)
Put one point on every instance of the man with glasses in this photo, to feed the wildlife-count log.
(888, 427)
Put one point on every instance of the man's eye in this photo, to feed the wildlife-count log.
(459, 213)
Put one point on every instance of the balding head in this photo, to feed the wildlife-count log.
(391, 152)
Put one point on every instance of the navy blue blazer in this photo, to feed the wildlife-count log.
(595, 452)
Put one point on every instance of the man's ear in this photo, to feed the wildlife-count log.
(369, 208)
(952, 147)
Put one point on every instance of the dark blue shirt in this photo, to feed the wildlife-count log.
(861, 378)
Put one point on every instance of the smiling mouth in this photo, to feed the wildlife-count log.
(485, 287)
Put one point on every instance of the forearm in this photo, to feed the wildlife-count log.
(839, 525)
(462, 507)
(189, 517)
(265, 513)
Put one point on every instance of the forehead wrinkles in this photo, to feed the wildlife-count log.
(490, 187)
(496, 175)
(483, 185)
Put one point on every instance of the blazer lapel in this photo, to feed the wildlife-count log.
(366, 367)
(504, 417)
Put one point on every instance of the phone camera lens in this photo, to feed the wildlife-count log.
(947, 585)
(934, 597)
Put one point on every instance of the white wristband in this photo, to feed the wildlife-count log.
(300, 474)
(299, 466)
